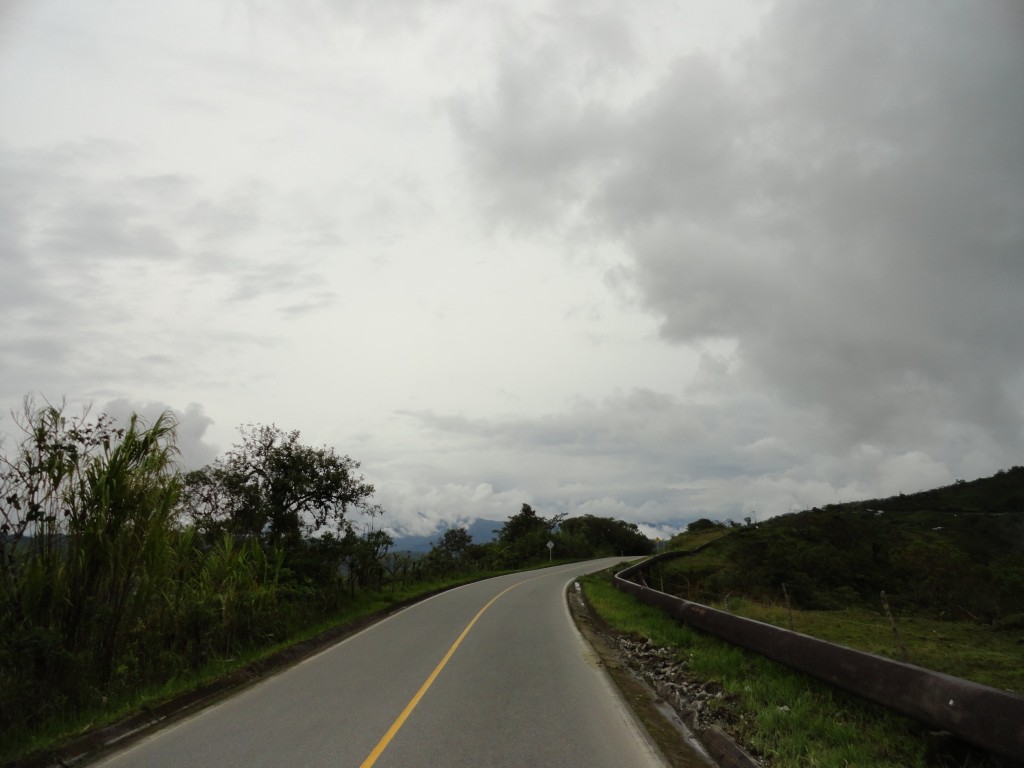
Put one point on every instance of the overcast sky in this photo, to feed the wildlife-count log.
(649, 259)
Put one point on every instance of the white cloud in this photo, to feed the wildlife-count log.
(190, 428)
(685, 260)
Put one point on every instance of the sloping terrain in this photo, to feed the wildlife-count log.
(954, 553)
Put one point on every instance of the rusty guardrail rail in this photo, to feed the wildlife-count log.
(984, 716)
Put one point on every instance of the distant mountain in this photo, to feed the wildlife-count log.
(481, 530)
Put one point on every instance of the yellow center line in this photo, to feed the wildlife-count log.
(400, 721)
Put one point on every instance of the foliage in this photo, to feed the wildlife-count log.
(522, 541)
(272, 487)
(954, 553)
(965, 649)
(524, 537)
(785, 717)
(453, 553)
(103, 593)
(251, 660)
(364, 559)
(704, 524)
(591, 536)
(119, 575)
(455, 542)
(87, 551)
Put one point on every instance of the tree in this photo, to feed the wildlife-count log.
(523, 536)
(523, 524)
(703, 524)
(273, 487)
(364, 558)
(449, 551)
(591, 536)
(397, 565)
(454, 542)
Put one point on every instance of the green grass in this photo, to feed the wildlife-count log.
(786, 717)
(972, 651)
(987, 653)
(690, 540)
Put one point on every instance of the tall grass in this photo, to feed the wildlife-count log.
(107, 600)
(100, 592)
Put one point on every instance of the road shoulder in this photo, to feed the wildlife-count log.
(680, 746)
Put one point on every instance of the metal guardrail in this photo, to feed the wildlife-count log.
(984, 716)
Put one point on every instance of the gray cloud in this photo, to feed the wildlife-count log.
(86, 223)
(540, 130)
(844, 205)
(826, 214)
(102, 270)
(656, 458)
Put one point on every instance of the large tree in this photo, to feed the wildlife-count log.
(449, 552)
(524, 536)
(273, 487)
(592, 536)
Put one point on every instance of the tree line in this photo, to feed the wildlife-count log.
(118, 571)
(523, 538)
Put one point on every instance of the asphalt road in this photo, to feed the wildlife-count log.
(490, 674)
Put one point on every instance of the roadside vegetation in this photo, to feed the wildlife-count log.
(935, 579)
(783, 717)
(124, 581)
(952, 554)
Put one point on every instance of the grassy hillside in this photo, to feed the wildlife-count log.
(950, 562)
(954, 553)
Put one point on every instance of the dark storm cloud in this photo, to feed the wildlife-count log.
(846, 204)
(869, 257)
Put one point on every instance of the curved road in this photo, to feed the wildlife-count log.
(490, 674)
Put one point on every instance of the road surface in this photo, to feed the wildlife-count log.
(490, 674)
